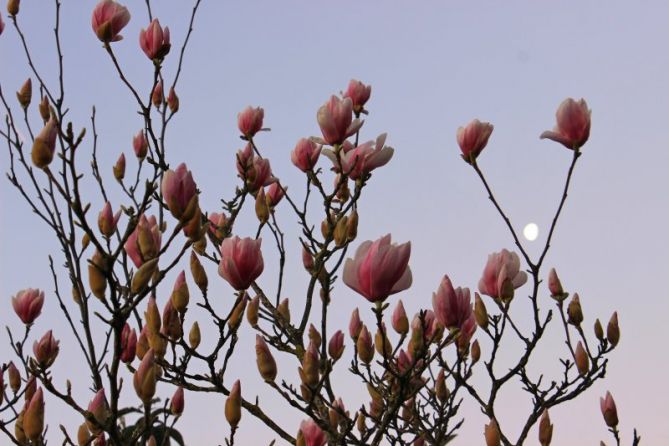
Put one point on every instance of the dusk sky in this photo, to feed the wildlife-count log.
(433, 67)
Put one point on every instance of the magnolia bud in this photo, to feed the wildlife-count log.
(237, 314)
(33, 417)
(355, 325)
(336, 345)
(119, 168)
(44, 110)
(475, 352)
(262, 209)
(307, 259)
(152, 316)
(352, 226)
(96, 278)
(480, 312)
(325, 228)
(25, 93)
(314, 335)
(309, 372)
(233, 405)
(18, 429)
(613, 330)
(399, 320)
(582, 360)
(144, 379)
(173, 101)
(492, 434)
(440, 389)
(180, 295)
(142, 344)
(364, 345)
(609, 410)
(198, 273)
(83, 435)
(574, 312)
(360, 424)
(13, 7)
(382, 343)
(599, 331)
(157, 95)
(341, 232)
(177, 402)
(171, 323)
(194, 336)
(283, 311)
(143, 276)
(265, 360)
(252, 311)
(31, 388)
(14, 377)
(545, 429)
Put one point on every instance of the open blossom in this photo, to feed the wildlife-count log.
(359, 94)
(379, 269)
(336, 121)
(109, 18)
(362, 159)
(241, 261)
(217, 223)
(28, 304)
(573, 124)
(473, 138)
(452, 306)
(155, 41)
(44, 145)
(250, 120)
(180, 192)
(46, 349)
(312, 434)
(501, 272)
(305, 154)
(145, 247)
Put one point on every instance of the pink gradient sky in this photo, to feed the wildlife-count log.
(433, 66)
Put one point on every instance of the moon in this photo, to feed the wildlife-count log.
(531, 231)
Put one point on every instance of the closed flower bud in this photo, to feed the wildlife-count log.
(152, 316)
(314, 335)
(173, 101)
(475, 352)
(352, 226)
(473, 138)
(613, 330)
(128, 344)
(44, 145)
(177, 402)
(25, 93)
(44, 110)
(46, 350)
(180, 192)
(381, 342)
(609, 411)
(96, 277)
(107, 220)
(555, 286)
(180, 295)
(198, 273)
(31, 388)
(83, 435)
(13, 7)
(364, 345)
(233, 405)
(99, 408)
(143, 276)
(262, 209)
(265, 360)
(252, 311)
(341, 232)
(18, 429)
(171, 323)
(28, 304)
(283, 310)
(336, 345)
(14, 377)
(545, 429)
(237, 313)
(574, 312)
(157, 96)
(360, 424)
(194, 336)
(155, 41)
(140, 145)
(599, 331)
(440, 389)
(119, 168)
(305, 154)
(492, 434)
(355, 325)
(480, 312)
(312, 433)
(359, 94)
(307, 259)
(341, 186)
(33, 418)
(582, 359)
(142, 343)
(144, 379)
(275, 193)
(310, 366)
(399, 320)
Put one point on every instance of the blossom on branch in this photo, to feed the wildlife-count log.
(109, 18)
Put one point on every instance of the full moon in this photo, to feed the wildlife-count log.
(531, 231)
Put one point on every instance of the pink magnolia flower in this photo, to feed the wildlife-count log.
(503, 266)
(336, 120)
(609, 411)
(312, 434)
(107, 220)
(305, 154)
(217, 223)
(379, 269)
(250, 120)
(128, 344)
(554, 284)
(28, 304)
(336, 345)
(99, 407)
(467, 330)
(140, 145)
(180, 192)
(155, 41)
(46, 349)
(359, 94)
(109, 18)
(275, 192)
(363, 159)
(573, 124)
(452, 306)
(241, 261)
(473, 138)
(404, 361)
(139, 253)
(259, 175)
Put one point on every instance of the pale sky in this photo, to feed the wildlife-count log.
(433, 66)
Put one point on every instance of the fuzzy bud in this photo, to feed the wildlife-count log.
(336, 345)
(283, 311)
(265, 360)
(233, 405)
(355, 325)
(44, 110)
(194, 336)
(399, 320)
(13, 7)
(177, 402)
(492, 434)
(33, 417)
(545, 429)
(25, 93)
(599, 331)
(582, 360)
(475, 352)
(613, 330)
(157, 96)
(144, 379)
(173, 101)
(96, 277)
(480, 312)
(180, 295)
(262, 209)
(198, 273)
(364, 345)
(252, 311)
(119, 168)
(237, 313)
(14, 377)
(574, 312)
(143, 276)
(440, 389)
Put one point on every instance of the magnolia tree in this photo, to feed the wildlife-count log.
(416, 368)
